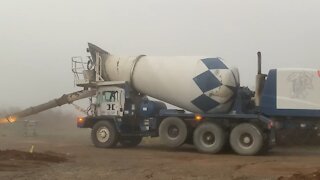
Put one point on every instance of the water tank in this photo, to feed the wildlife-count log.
(196, 84)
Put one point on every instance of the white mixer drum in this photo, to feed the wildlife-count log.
(196, 84)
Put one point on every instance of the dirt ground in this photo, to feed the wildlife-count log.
(150, 160)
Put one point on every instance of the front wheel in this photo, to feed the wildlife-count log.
(104, 134)
(247, 139)
(130, 141)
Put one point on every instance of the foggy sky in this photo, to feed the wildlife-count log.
(38, 37)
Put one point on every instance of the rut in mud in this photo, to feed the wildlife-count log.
(20, 155)
(299, 176)
(14, 160)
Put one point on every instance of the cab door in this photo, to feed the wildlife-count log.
(110, 102)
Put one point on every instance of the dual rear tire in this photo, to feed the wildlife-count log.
(245, 138)
(209, 138)
(173, 132)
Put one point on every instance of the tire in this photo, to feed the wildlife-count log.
(130, 141)
(209, 138)
(104, 134)
(173, 132)
(247, 139)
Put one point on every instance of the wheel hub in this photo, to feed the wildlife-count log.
(208, 138)
(103, 134)
(173, 131)
(246, 140)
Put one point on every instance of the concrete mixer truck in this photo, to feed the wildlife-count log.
(129, 98)
(213, 112)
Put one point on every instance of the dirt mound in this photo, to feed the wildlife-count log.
(20, 155)
(299, 176)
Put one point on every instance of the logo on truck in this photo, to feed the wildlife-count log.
(301, 83)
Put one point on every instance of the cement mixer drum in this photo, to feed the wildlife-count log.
(196, 84)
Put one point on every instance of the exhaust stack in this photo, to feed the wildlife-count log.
(260, 80)
(259, 62)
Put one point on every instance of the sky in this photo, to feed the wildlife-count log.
(39, 37)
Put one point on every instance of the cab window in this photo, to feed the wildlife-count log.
(109, 96)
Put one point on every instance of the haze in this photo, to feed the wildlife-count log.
(38, 37)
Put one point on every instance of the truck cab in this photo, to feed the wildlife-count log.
(120, 114)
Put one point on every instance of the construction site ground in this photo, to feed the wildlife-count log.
(66, 152)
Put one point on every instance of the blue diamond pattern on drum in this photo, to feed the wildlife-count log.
(214, 63)
(207, 81)
(205, 103)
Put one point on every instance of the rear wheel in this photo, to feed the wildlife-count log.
(130, 141)
(209, 138)
(247, 139)
(173, 131)
(104, 134)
